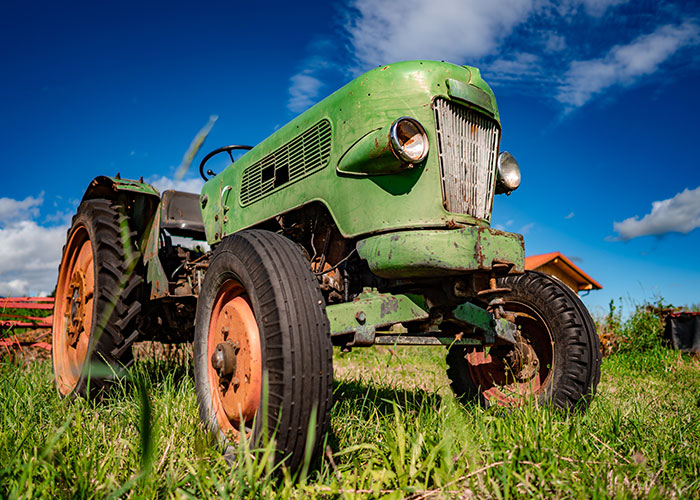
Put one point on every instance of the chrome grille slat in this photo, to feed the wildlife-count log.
(302, 156)
(468, 150)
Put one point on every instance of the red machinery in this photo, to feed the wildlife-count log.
(21, 313)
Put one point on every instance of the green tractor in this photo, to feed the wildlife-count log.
(364, 221)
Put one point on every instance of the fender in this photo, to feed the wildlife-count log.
(140, 200)
(141, 203)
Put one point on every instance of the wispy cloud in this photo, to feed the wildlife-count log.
(570, 216)
(598, 7)
(553, 42)
(595, 8)
(624, 64)
(325, 61)
(303, 91)
(527, 228)
(452, 30)
(678, 214)
(520, 65)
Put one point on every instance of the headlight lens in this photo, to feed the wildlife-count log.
(508, 173)
(409, 140)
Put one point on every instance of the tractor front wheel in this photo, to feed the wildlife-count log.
(262, 349)
(555, 360)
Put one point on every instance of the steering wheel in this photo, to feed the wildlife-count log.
(226, 149)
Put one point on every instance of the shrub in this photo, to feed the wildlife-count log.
(642, 331)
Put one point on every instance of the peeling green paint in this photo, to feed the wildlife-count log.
(371, 310)
(434, 252)
(481, 319)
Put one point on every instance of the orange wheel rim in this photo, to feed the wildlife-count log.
(73, 310)
(235, 360)
(492, 374)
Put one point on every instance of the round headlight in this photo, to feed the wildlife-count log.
(409, 140)
(508, 173)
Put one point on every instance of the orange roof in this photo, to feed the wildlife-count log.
(564, 265)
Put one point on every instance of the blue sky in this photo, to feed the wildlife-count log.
(598, 102)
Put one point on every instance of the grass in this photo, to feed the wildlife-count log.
(396, 432)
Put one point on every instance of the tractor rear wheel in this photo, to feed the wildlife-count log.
(262, 348)
(556, 358)
(96, 300)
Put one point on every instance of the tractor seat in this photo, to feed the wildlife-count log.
(180, 214)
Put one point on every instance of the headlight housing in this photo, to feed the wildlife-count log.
(392, 149)
(508, 178)
(409, 140)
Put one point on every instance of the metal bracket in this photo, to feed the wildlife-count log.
(371, 310)
(483, 320)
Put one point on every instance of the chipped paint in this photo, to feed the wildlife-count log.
(376, 310)
(433, 252)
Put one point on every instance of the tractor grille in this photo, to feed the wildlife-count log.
(468, 144)
(300, 157)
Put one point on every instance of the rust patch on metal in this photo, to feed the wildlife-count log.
(388, 306)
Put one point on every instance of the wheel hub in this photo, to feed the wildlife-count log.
(223, 360)
(76, 298)
(235, 370)
(523, 361)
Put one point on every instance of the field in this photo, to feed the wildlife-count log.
(397, 432)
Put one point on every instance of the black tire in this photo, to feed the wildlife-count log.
(264, 274)
(96, 300)
(567, 372)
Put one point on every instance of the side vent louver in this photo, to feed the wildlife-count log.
(300, 157)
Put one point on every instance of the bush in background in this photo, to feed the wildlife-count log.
(642, 331)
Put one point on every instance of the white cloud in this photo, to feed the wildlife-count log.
(29, 257)
(11, 209)
(678, 214)
(624, 64)
(453, 30)
(570, 216)
(303, 91)
(163, 183)
(14, 288)
(520, 65)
